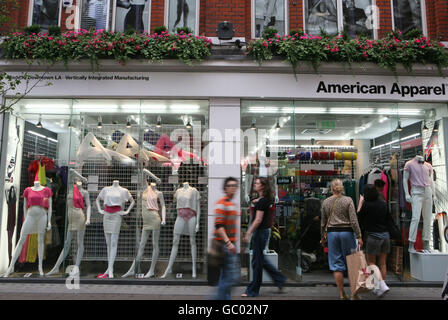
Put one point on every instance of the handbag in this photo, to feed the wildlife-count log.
(215, 261)
(123, 4)
(324, 240)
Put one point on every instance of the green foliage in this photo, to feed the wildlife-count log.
(35, 28)
(74, 46)
(54, 31)
(315, 50)
(269, 32)
(299, 32)
(130, 30)
(185, 30)
(160, 29)
(413, 34)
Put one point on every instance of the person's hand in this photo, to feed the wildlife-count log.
(247, 237)
(87, 222)
(231, 247)
(360, 243)
(255, 201)
(408, 198)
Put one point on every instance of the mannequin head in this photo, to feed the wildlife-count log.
(186, 184)
(37, 183)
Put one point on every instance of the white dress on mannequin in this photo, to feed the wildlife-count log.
(187, 222)
(37, 207)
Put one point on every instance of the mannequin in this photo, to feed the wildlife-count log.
(129, 147)
(419, 174)
(151, 222)
(37, 208)
(114, 198)
(77, 221)
(187, 222)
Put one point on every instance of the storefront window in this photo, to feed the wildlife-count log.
(269, 13)
(321, 14)
(357, 142)
(408, 15)
(358, 17)
(132, 15)
(96, 14)
(46, 13)
(127, 180)
(181, 14)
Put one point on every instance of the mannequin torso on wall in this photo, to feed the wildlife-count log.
(417, 176)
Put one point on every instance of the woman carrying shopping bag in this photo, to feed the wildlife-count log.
(374, 217)
(341, 229)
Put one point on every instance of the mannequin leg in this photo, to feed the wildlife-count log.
(172, 256)
(417, 203)
(428, 220)
(155, 253)
(113, 254)
(80, 250)
(40, 251)
(27, 225)
(192, 229)
(108, 243)
(63, 254)
(141, 249)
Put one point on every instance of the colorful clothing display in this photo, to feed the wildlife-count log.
(37, 198)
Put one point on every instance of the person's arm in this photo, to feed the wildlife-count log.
(89, 207)
(354, 222)
(162, 204)
(361, 202)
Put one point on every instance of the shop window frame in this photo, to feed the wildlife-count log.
(166, 18)
(252, 18)
(31, 13)
(423, 14)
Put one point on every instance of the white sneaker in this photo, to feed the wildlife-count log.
(383, 289)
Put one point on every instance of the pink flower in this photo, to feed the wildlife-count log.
(303, 37)
(422, 47)
(417, 40)
(138, 48)
(441, 44)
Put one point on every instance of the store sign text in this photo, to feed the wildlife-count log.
(403, 90)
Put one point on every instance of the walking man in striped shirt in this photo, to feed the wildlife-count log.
(227, 220)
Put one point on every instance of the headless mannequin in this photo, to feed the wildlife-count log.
(32, 216)
(112, 238)
(145, 233)
(80, 233)
(418, 203)
(193, 227)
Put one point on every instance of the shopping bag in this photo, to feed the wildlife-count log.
(362, 278)
(215, 261)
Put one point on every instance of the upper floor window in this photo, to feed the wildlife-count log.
(96, 14)
(132, 15)
(269, 13)
(45, 13)
(356, 17)
(409, 15)
(182, 14)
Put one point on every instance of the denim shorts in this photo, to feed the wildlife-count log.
(377, 245)
(340, 245)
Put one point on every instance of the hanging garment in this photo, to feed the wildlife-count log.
(24, 252)
(11, 200)
(32, 249)
(350, 190)
(78, 200)
(386, 186)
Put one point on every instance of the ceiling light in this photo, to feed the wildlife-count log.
(188, 126)
(100, 123)
(399, 128)
(277, 126)
(252, 126)
(436, 127)
(159, 122)
(128, 124)
(39, 124)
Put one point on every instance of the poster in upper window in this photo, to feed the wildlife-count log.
(132, 15)
(269, 13)
(358, 15)
(321, 14)
(96, 14)
(46, 13)
(181, 14)
(407, 15)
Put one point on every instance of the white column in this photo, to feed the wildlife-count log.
(223, 154)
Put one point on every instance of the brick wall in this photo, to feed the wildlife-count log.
(239, 13)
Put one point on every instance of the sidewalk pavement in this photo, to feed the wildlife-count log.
(28, 291)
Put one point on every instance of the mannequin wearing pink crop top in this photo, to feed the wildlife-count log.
(37, 198)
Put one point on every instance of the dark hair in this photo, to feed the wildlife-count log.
(267, 191)
(229, 179)
(370, 192)
(379, 183)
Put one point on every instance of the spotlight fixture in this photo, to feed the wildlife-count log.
(70, 124)
(39, 124)
(436, 127)
(128, 124)
(425, 128)
(399, 128)
(100, 122)
(252, 126)
(159, 122)
(188, 126)
(277, 126)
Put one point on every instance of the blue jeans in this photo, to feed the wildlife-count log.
(259, 239)
(230, 276)
(340, 245)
